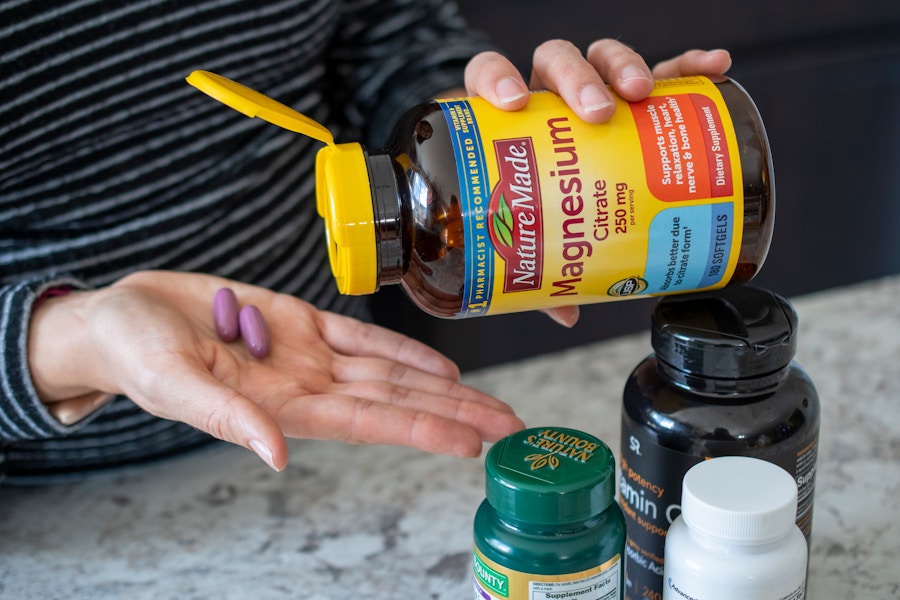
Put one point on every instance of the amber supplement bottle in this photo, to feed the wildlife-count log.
(721, 382)
(475, 210)
(550, 526)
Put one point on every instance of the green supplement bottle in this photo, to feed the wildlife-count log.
(722, 381)
(550, 526)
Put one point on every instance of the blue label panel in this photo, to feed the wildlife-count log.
(689, 247)
(475, 190)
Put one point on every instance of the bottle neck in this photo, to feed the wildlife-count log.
(386, 206)
(714, 386)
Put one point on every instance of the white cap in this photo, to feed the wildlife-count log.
(740, 499)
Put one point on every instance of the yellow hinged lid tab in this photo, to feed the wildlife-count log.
(253, 104)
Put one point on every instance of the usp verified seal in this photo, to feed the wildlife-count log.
(627, 287)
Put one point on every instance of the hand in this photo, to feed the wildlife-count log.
(151, 336)
(581, 81)
(581, 78)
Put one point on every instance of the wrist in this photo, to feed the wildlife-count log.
(52, 292)
(59, 351)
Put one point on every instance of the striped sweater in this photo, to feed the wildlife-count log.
(110, 163)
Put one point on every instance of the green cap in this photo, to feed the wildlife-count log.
(550, 476)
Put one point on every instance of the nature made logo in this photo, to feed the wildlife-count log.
(515, 218)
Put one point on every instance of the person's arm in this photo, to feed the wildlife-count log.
(152, 337)
(23, 415)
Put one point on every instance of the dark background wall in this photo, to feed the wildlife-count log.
(826, 78)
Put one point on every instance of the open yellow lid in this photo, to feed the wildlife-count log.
(343, 193)
(253, 104)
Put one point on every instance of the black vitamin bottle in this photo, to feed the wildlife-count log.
(721, 382)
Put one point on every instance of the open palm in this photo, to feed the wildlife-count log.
(327, 376)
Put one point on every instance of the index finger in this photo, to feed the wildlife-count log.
(355, 338)
(493, 77)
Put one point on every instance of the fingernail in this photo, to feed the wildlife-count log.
(559, 319)
(566, 316)
(264, 453)
(255, 332)
(509, 90)
(593, 98)
(632, 73)
(225, 315)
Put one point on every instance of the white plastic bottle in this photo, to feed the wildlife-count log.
(736, 537)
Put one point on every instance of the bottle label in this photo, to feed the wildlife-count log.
(494, 582)
(678, 588)
(650, 496)
(557, 211)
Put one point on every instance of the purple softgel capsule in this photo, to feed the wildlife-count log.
(225, 315)
(255, 331)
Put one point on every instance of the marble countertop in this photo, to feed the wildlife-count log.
(387, 523)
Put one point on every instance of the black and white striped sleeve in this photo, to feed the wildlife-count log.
(22, 415)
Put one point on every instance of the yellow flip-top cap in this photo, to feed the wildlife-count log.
(343, 194)
(253, 104)
(344, 200)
